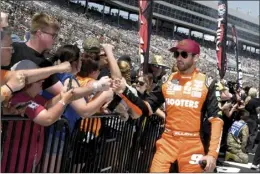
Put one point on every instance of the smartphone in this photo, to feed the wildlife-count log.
(69, 84)
(21, 106)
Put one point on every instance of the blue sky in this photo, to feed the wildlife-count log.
(244, 6)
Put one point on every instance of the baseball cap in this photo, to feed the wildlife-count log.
(24, 64)
(91, 45)
(187, 45)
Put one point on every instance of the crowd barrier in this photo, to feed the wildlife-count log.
(24, 146)
(102, 143)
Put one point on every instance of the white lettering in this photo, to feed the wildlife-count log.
(219, 33)
(196, 104)
(172, 102)
(191, 103)
(186, 103)
(177, 102)
(195, 158)
(219, 21)
(182, 103)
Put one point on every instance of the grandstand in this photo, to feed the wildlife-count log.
(200, 16)
(108, 21)
(196, 17)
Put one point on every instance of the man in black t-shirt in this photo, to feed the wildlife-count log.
(44, 31)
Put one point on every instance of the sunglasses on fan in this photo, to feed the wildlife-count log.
(140, 83)
(183, 54)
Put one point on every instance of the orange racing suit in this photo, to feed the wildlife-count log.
(186, 99)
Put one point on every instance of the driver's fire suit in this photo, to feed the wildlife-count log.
(187, 99)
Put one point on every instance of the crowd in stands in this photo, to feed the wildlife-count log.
(74, 30)
(65, 63)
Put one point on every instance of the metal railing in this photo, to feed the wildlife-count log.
(24, 145)
(102, 143)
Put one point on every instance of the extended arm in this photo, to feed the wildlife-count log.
(140, 107)
(80, 105)
(48, 116)
(34, 75)
(115, 71)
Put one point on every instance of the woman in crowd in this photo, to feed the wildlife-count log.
(87, 139)
(90, 70)
(143, 87)
(71, 53)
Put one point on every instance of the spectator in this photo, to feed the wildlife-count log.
(44, 30)
(79, 108)
(88, 74)
(71, 53)
(15, 80)
(10, 82)
(86, 77)
(125, 69)
(92, 47)
(156, 68)
(251, 104)
(127, 58)
(237, 139)
(143, 87)
(40, 111)
(117, 104)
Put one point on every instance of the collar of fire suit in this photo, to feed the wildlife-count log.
(190, 76)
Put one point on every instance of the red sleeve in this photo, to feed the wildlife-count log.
(33, 109)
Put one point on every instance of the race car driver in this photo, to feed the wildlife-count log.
(188, 95)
